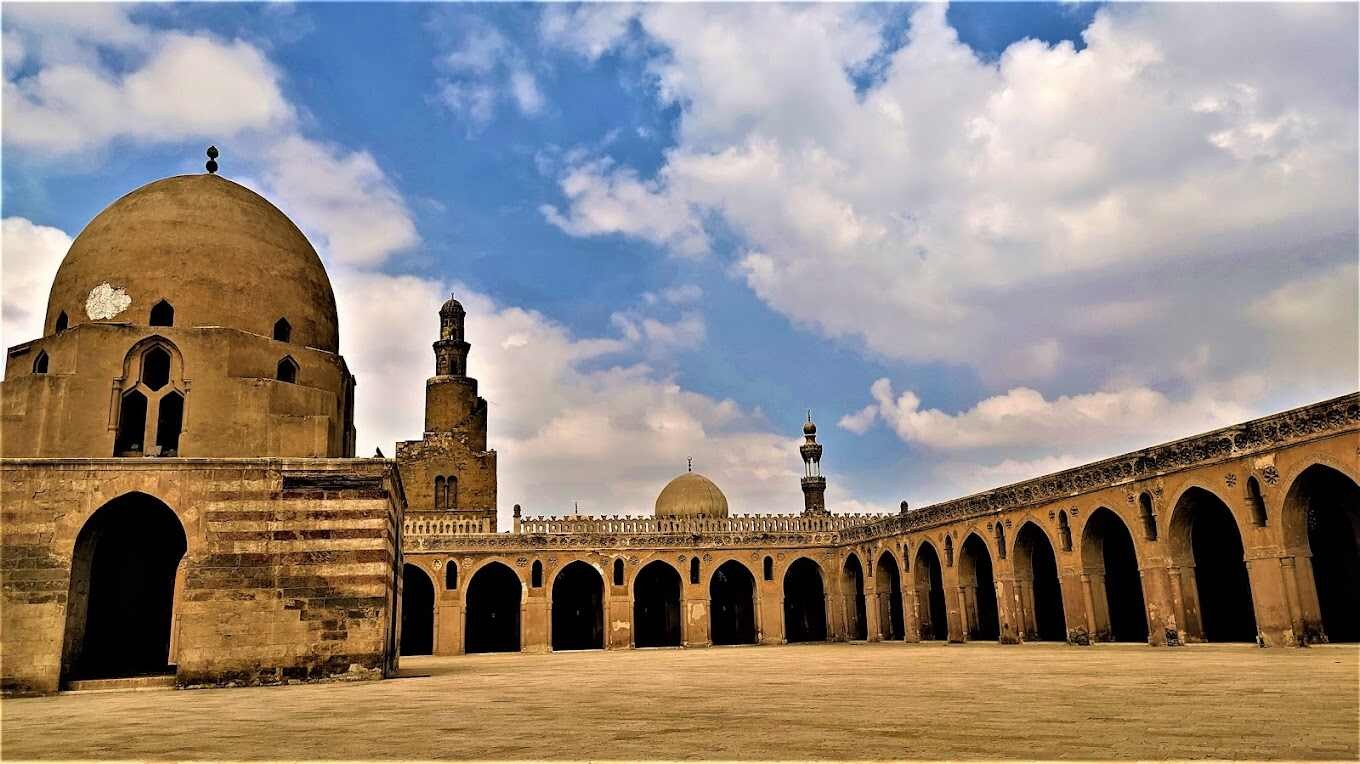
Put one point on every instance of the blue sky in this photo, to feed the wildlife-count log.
(937, 228)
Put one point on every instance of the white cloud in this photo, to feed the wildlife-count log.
(1022, 417)
(1100, 215)
(590, 29)
(60, 95)
(31, 254)
(482, 68)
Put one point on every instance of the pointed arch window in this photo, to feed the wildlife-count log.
(1000, 533)
(451, 492)
(162, 314)
(1256, 502)
(287, 370)
(1064, 531)
(536, 575)
(451, 575)
(61, 324)
(1148, 517)
(283, 331)
(618, 572)
(439, 493)
(948, 551)
(694, 570)
(769, 568)
(40, 363)
(151, 407)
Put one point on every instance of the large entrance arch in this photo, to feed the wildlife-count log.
(1111, 563)
(929, 583)
(1321, 519)
(804, 602)
(417, 611)
(1204, 541)
(978, 589)
(656, 606)
(1036, 570)
(889, 585)
(492, 604)
(578, 608)
(852, 584)
(120, 607)
(732, 605)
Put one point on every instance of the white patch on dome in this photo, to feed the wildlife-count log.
(106, 301)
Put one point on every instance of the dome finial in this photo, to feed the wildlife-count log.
(689, 464)
(212, 160)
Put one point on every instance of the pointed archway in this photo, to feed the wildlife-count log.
(1321, 519)
(578, 608)
(979, 589)
(804, 602)
(656, 606)
(732, 605)
(1110, 562)
(1205, 542)
(120, 607)
(852, 585)
(929, 582)
(492, 603)
(888, 582)
(1036, 570)
(417, 611)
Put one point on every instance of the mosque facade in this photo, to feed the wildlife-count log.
(182, 505)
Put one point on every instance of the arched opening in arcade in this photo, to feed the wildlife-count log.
(121, 601)
(1040, 584)
(578, 608)
(852, 584)
(804, 602)
(929, 583)
(888, 582)
(492, 602)
(1321, 520)
(1111, 563)
(732, 605)
(417, 611)
(1204, 541)
(979, 589)
(656, 606)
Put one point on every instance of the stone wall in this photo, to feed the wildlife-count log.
(290, 571)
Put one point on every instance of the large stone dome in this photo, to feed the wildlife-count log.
(218, 252)
(691, 495)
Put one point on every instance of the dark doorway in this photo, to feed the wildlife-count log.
(975, 576)
(930, 594)
(120, 607)
(578, 608)
(1107, 550)
(1324, 506)
(656, 606)
(889, 585)
(732, 598)
(804, 602)
(1222, 587)
(852, 583)
(1036, 567)
(417, 611)
(493, 608)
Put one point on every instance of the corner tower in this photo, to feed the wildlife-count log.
(450, 468)
(814, 485)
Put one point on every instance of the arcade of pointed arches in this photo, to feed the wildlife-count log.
(1075, 575)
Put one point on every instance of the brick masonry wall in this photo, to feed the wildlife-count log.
(290, 572)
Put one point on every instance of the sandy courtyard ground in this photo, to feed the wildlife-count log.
(832, 701)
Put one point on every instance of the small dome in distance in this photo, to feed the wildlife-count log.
(691, 495)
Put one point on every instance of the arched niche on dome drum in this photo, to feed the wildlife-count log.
(287, 370)
(61, 323)
(283, 331)
(40, 363)
(162, 314)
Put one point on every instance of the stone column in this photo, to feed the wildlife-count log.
(448, 623)
(1290, 585)
(872, 622)
(694, 604)
(1159, 603)
(1089, 599)
(911, 614)
(1009, 614)
(771, 619)
(1270, 599)
(535, 622)
(618, 619)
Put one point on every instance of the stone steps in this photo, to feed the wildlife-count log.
(121, 684)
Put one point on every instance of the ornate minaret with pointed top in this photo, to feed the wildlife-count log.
(814, 485)
(451, 468)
